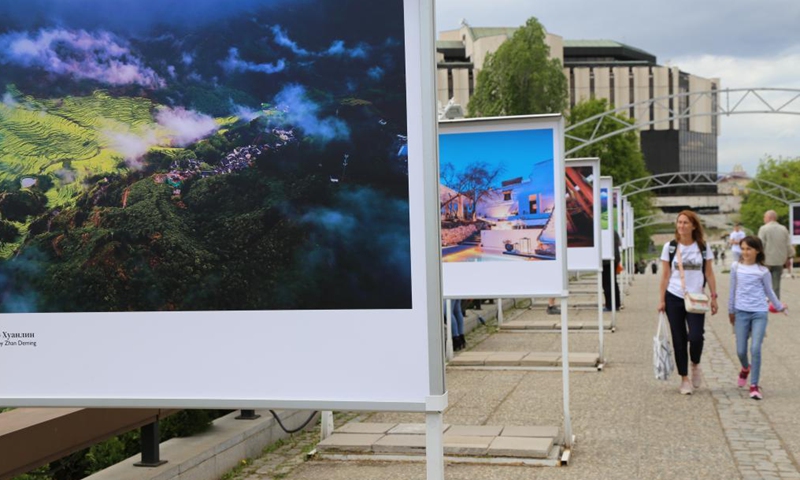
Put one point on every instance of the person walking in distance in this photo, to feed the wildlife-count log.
(610, 269)
(751, 285)
(691, 250)
(734, 239)
(778, 250)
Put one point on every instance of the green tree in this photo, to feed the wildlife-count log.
(782, 171)
(8, 232)
(520, 77)
(620, 156)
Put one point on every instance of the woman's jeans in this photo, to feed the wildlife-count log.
(747, 324)
(679, 322)
(458, 318)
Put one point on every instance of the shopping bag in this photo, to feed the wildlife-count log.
(663, 363)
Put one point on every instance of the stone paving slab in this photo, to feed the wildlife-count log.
(466, 445)
(549, 432)
(411, 429)
(470, 359)
(463, 440)
(539, 359)
(400, 444)
(525, 359)
(524, 324)
(583, 359)
(475, 430)
(361, 427)
(520, 447)
(505, 359)
(349, 442)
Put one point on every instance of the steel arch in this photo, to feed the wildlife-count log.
(728, 102)
(676, 179)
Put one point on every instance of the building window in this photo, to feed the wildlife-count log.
(612, 93)
(591, 82)
(571, 88)
(533, 203)
(631, 95)
(671, 92)
(449, 83)
(471, 81)
(507, 196)
(651, 93)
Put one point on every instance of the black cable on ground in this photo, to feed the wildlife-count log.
(304, 425)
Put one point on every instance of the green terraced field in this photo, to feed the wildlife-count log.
(38, 136)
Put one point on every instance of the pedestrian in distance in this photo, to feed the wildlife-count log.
(751, 285)
(734, 240)
(691, 250)
(608, 271)
(778, 249)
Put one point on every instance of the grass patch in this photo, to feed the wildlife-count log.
(237, 469)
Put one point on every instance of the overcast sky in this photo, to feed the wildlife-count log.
(744, 43)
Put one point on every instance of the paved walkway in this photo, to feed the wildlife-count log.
(628, 425)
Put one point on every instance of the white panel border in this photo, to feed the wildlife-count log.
(304, 359)
(514, 279)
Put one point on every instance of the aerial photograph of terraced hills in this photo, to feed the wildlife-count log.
(203, 155)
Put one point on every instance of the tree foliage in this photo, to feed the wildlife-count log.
(475, 181)
(8, 232)
(520, 77)
(620, 156)
(782, 171)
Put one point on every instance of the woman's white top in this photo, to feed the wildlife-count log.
(693, 265)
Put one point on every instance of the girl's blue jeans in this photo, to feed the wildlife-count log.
(750, 324)
(458, 318)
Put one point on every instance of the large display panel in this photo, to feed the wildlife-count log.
(607, 217)
(583, 214)
(193, 191)
(794, 222)
(502, 207)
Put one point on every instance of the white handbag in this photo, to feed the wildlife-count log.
(694, 302)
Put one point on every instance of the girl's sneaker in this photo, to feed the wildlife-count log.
(755, 392)
(742, 381)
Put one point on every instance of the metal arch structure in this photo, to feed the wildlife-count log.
(677, 179)
(660, 219)
(728, 102)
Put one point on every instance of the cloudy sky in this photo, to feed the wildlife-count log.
(745, 44)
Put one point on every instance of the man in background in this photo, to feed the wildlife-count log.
(735, 239)
(778, 250)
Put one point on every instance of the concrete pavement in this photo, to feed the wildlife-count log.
(628, 425)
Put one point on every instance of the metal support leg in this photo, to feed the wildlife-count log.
(434, 445)
(565, 371)
(499, 311)
(600, 313)
(326, 424)
(247, 415)
(150, 446)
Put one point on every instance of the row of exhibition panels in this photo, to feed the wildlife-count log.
(190, 359)
(207, 349)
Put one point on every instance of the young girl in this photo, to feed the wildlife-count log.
(751, 284)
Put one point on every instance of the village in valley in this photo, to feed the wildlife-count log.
(239, 159)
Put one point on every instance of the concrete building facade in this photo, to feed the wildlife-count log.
(610, 70)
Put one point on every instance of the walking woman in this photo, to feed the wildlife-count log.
(751, 284)
(690, 249)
